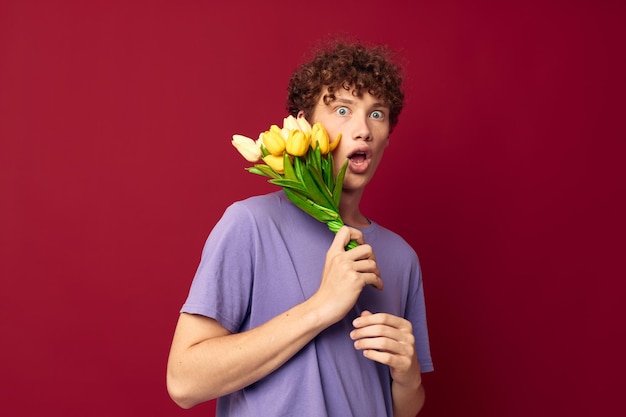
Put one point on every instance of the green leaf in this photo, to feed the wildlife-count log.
(309, 206)
(304, 175)
(289, 171)
(327, 171)
(264, 170)
(308, 173)
(256, 171)
(321, 185)
(314, 158)
(339, 184)
(287, 183)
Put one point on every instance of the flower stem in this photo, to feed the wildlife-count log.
(352, 244)
(335, 225)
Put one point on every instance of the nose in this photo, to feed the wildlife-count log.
(361, 129)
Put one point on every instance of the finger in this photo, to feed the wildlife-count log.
(377, 331)
(364, 265)
(394, 361)
(383, 319)
(382, 344)
(370, 278)
(363, 253)
(344, 236)
(355, 234)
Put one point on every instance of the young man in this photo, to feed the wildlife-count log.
(281, 320)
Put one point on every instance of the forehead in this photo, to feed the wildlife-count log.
(341, 95)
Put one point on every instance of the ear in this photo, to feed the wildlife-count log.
(300, 114)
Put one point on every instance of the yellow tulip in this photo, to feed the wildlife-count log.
(273, 141)
(319, 137)
(277, 163)
(332, 145)
(284, 133)
(298, 143)
(247, 147)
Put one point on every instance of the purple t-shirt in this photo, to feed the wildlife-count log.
(265, 256)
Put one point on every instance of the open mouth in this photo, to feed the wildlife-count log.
(357, 158)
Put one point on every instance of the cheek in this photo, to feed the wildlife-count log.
(339, 158)
(338, 161)
(383, 144)
(340, 151)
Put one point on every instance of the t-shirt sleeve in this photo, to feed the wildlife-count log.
(416, 313)
(222, 284)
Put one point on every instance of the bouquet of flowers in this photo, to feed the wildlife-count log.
(298, 158)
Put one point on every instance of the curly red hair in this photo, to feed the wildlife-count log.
(352, 66)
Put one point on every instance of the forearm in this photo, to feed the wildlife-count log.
(407, 401)
(207, 361)
(220, 365)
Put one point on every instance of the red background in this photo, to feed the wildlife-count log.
(505, 174)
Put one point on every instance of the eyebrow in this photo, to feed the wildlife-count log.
(348, 101)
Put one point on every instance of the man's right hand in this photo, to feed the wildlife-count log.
(346, 273)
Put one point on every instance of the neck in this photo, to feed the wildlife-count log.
(349, 209)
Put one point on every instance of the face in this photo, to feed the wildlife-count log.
(364, 125)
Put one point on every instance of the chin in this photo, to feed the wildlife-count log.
(354, 186)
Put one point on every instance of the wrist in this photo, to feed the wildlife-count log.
(321, 312)
(409, 381)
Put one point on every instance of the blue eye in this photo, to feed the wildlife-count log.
(342, 111)
(377, 114)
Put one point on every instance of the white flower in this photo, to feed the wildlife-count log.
(248, 148)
